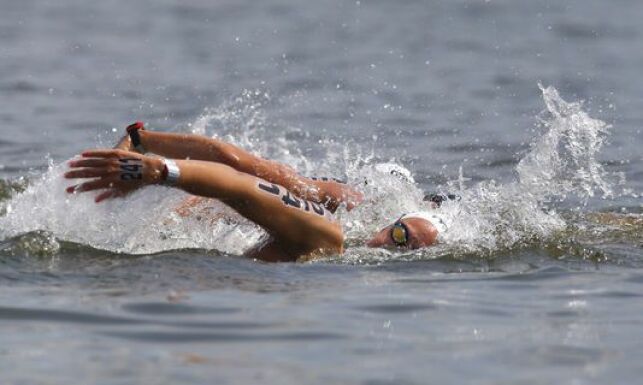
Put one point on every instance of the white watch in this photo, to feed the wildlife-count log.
(172, 174)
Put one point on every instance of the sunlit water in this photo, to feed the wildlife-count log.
(537, 280)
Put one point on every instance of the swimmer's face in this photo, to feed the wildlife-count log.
(419, 233)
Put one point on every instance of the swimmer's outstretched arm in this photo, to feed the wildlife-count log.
(197, 147)
(298, 227)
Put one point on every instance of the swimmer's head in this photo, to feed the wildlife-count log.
(411, 231)
(436, 200)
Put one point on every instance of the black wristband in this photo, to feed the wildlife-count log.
(135, 137)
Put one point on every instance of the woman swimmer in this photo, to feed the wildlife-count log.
(295, 211)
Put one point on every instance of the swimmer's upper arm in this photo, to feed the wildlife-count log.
(298, 225)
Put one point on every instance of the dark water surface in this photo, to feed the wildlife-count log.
(434, 86)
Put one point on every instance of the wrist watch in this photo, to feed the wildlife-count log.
(171, 173)
(132, 131)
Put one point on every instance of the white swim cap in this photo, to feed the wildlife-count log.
(435, 219)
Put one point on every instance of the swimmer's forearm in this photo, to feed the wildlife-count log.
(196, 147)
(236, 189)
(207, 179)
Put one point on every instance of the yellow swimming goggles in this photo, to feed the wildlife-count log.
(399, 233)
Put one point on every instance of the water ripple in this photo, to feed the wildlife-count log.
(179, 337)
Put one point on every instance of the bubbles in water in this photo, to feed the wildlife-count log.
(564, 158)
(242, 121)
(489, 217)
(37, 243)
(560, 162)
(492, 216)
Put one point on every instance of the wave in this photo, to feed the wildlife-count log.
(490, 218)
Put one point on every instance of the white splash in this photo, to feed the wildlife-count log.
(564, 158)
(489, 217)
(143, 223)
(560, 162)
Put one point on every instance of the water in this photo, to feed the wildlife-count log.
(537, 281)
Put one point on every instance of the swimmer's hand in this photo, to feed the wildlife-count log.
(118, 172)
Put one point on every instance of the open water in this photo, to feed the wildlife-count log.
(531, 111)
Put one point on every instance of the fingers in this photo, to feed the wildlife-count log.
(96, 184)
(107, 169)
(109, 194)
(91, 168)
(89, 162)
(87, 173)
(109, 153)
(104, 195)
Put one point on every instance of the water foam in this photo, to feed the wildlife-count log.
(146, 221)
(489, 217)
(562, 161)
(564, 158)
(143, 223)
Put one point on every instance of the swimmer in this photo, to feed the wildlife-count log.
(294, 210)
